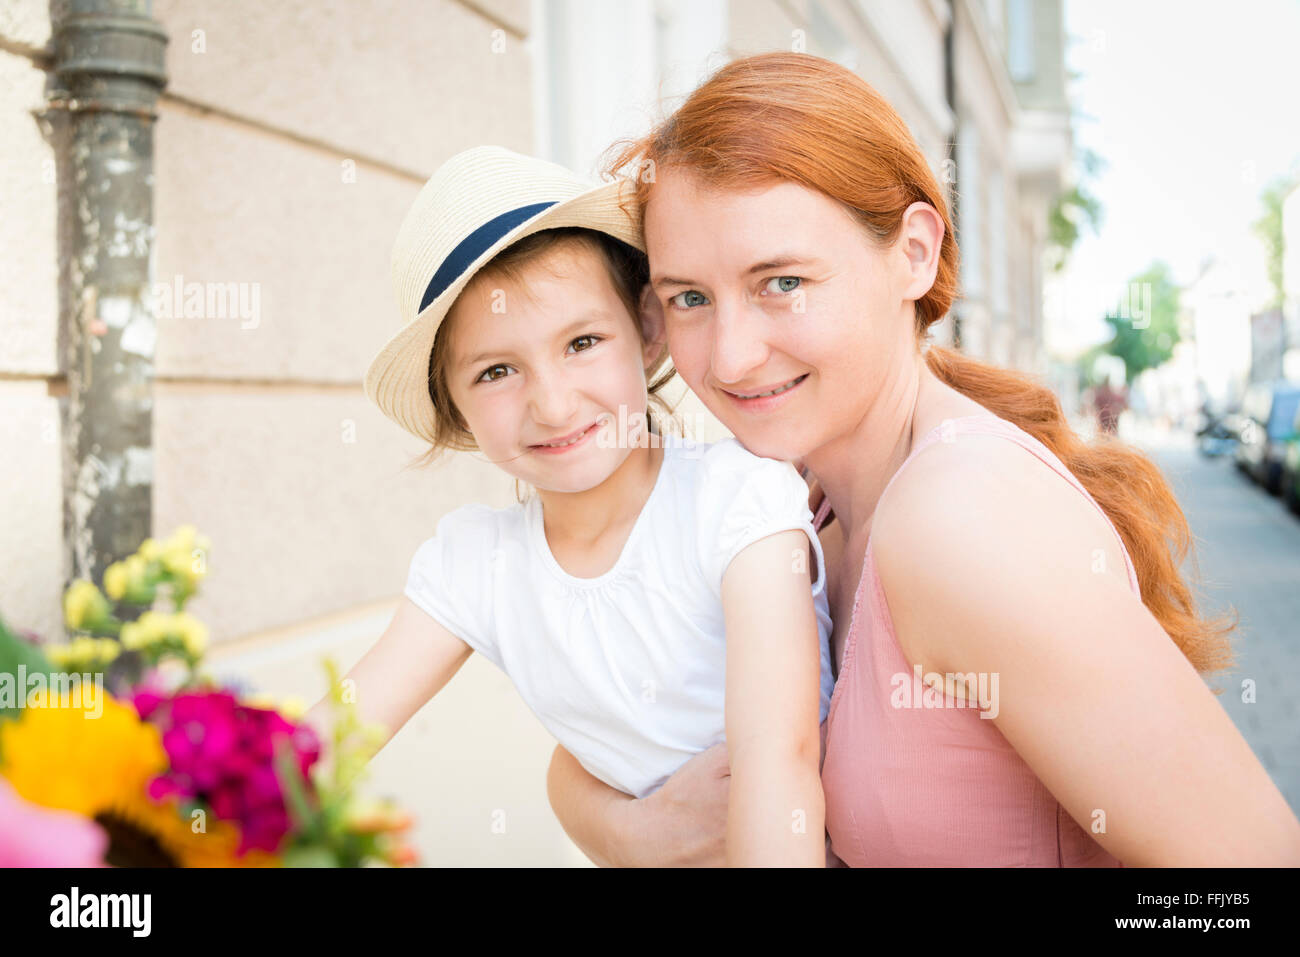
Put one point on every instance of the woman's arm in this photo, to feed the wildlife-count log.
(990, 566)
(412, 661)
(682, 824)
(776, 814)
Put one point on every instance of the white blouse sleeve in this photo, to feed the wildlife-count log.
(742, 498)
(450, 577)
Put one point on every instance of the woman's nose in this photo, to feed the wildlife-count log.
(738, 347)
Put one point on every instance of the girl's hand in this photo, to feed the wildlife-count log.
(683, 824)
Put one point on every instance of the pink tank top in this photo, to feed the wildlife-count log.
(926, 787)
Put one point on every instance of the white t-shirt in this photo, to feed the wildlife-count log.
(626, 670)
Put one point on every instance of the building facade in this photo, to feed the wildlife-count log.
(288, 142)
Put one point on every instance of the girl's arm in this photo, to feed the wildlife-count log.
(1092, 692)
(686, 822)
(412, 661)
(683, 824)
(776, 813)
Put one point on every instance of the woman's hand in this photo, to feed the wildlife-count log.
(683, 824)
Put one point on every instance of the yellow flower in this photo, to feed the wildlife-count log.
(179, 558)
(115, 579)
(150, 627)
(149, 549)
(291, 708)
(183, 537)
(83, 653)
(132, 636)
(100, 767)
(154, 625)
(84, 608)
(192, 632)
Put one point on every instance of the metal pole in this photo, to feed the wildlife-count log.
(108, 73)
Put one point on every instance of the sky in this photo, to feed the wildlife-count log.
(1193, 106)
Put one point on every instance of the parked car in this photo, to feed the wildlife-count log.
(1291, 467)
(1269, 413)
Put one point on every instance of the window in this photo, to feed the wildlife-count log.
(1020, 40)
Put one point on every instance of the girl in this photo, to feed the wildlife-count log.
(975, 538)
(605, 598)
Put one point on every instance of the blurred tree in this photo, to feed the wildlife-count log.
(1073, 209)
(1269, 229)
(1145, 321)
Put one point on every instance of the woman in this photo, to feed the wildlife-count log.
(800, 247)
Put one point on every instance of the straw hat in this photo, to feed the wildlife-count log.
(476, 204)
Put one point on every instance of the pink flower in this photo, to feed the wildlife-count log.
(223, 753)
(34, 836)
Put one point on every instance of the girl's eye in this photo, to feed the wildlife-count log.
(781, 284)
(487, 374)
(688, 300)
(592, 339)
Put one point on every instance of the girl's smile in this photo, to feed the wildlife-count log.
(567, 443)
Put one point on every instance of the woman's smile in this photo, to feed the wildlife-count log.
(765, 400)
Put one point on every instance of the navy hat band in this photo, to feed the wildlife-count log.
(473, 246)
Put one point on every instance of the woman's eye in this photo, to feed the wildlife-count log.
(487, 375)
(688, 300)
(781, 284)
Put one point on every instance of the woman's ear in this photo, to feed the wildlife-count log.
(654, 335)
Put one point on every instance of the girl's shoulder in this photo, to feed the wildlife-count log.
(740, 498)
(727, 477)
(477, 523)
(727, 458)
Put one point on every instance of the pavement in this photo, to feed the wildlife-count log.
(1247, 546)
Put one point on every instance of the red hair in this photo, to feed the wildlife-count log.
(791, 116)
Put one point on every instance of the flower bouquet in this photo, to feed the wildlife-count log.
(116, 749)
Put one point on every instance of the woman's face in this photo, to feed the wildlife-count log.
(778, 288)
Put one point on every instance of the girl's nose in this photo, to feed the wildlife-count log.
(551, 399)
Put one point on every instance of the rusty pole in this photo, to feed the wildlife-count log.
(108, 71)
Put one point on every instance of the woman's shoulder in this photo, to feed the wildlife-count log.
(972, 521)
(982, 481)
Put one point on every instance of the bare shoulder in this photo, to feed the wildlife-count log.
(981, 527)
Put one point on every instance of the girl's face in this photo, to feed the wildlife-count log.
(778, 288)
(545, 358)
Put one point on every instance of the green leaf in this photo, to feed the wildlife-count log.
(305, 820)
(15, 651)
(312, 855)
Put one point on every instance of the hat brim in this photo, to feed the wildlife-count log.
(397, 378)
